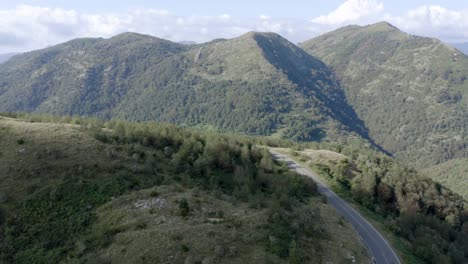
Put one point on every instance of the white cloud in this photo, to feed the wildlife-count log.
(427, 20)
(28, 27)
(352, 11)
(436, 21)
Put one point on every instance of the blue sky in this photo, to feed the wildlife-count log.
(32, 24)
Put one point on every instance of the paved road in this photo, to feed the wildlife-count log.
(378, 246)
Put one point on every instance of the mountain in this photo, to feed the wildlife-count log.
(155, 193)
(187, 42)
(258, 83)
(411, 92)
(6, 56)
(463, 47)
(79, 77)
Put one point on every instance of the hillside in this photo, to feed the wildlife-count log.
(80, 77)
(425, 221)
(453, 174)
(80, 191)
(411, 92)
(258, 83)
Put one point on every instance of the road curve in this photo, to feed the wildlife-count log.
(379, 247)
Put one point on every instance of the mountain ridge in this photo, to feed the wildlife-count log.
(410, 91)
(140, 78)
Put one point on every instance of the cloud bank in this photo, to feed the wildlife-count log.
(27, 27)
(351, 11)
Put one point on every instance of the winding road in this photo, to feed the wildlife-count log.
(381, 250)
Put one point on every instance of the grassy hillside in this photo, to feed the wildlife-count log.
(258, 83)
(453, 174)
(80, 191)
(427, 222)
(411, 92)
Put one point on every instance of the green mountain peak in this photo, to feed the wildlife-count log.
(410, 91)
(382, 26)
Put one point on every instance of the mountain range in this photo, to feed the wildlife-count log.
(405, 94)
(356, 106)
(6, 56)
(259, 83)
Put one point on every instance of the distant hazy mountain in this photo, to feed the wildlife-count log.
(411, 92)
(259, 83)
(187, 42)
(463, 47)
(5, 57)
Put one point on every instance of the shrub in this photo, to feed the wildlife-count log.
(184, 207)
(184, 248)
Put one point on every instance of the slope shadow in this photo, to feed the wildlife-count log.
(315, 79)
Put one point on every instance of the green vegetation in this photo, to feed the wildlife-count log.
(411, 92)
(184, 208)
(80, 190)
(80, 193)
(452, 174)
(431, 219)
(258, 84)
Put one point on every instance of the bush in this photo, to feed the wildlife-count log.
(184, 207)
(184, 248)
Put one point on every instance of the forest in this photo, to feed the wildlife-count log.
(431, 218)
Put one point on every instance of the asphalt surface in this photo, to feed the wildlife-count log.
(380, 249)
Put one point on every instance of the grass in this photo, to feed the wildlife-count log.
(238, 230)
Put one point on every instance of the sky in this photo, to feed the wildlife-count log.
(33, 24)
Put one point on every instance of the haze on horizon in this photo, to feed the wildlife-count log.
(34, 24)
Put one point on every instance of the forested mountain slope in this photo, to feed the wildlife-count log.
(453, 173)
(413, 207)
(259, 83)
(411, 92)
(80, 77)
